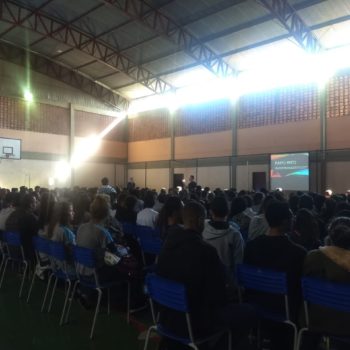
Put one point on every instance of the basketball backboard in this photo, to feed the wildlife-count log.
(10, 148)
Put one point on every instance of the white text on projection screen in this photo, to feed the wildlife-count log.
(290, 171)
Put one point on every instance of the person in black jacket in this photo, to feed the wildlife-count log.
(24, 221)
(187, 259)
(277, 252)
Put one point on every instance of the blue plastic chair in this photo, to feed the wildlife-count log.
(146, 232)
(173, 296)
(60, 271)
(334, 296)
(41, 246)
(150, 245)
(86, 258)
(12, 243)
(129, 229)
(267, 281)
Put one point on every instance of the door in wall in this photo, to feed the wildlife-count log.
(177, 180)
(259, 180)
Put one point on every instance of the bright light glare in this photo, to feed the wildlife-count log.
(84, 149)
(51, 181)
(28, 96)
(291, 66)
(62, 171)
(87, 147)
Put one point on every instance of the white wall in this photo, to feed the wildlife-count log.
(245, 175)
(90, 174)
(138, 175)
(338, 178)
(15, 173)
(158, 178)
(215, 176)
(120, 175)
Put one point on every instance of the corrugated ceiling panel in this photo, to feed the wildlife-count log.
(325, 11)
(150, 50)
(248, 36)
(235, 15)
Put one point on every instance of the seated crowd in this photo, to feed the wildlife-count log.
(205, 235)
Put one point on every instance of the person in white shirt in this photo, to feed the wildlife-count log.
(148, 216)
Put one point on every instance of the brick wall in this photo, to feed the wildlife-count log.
(87, 124)
(338, 96)
(38, 117)
(149, 125)
(289, 104)
(205, 118)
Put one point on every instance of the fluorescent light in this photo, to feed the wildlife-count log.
(28, 96)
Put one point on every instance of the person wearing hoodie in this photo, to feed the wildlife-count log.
(331, 263)
(226, 239)
(186, 258)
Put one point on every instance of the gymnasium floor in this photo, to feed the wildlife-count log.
(22, 326)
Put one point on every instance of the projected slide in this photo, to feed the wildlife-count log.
(290, 171)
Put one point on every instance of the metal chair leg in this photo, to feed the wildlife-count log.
(46, 292)
(31, 287)
(23, 278)
(99, 291)
(148, 334)
(108, 301)
(229, 340)
(4, 271)
(128, 304)
(52, 294)
(70, 301)
(300, 335)
(65, 301)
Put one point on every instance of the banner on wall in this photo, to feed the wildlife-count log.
(290, 171)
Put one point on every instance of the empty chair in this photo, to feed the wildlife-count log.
(14, 252)
(173, 295)
(325, 299)
(267, 281)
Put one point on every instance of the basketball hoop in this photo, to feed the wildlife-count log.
(7, 155)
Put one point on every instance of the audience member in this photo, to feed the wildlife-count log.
(275, 251)
(187, 259)
(147, 216)
(226, 239)
(258, 225)
(106, 188)
(306, 231)
(238, 215)
(23, 220)
(170, 216)
(331, 263)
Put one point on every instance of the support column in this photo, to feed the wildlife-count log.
(71, 141)
(233, 163)
(323, 140)
(172, 148)
(126, 167)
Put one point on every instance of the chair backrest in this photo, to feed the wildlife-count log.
(328, 294)
(41, 245)
(12, 238)
(150, 245)
(263, 280)
(129, 228)
(57, 251)
(167, 293)
(146, 232)
(85, 256)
